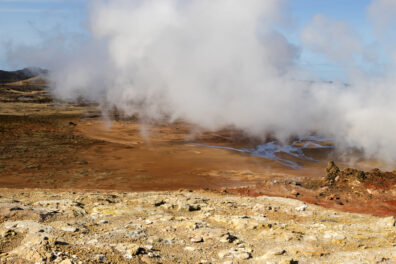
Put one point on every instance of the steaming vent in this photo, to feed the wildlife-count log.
(245, 66)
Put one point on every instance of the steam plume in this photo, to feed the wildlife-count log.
(222, 62)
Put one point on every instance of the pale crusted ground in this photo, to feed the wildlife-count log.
(184, 227)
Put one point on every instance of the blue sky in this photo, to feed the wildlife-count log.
(351, 11)
(21, 21)
(19, 18)
(24, 21)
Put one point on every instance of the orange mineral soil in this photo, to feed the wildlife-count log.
(93, 154)
(163, 157)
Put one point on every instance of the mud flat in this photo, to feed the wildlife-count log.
(66, 152)
(39, 226)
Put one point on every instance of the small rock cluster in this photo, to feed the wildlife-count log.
(349, 175)
(184, 227)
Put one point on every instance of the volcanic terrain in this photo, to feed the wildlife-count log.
(64, 148)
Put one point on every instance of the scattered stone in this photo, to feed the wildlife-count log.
(302, 208)
(100, 257)
(27, 226)
(194, 207)
(131, 249)
(190, 248)
(137, 234)
(69, 229)
(295, 193)
(61, 243)
(197, 239)
(228, 238)
(17, 208)
(235, 253)
(159, 203)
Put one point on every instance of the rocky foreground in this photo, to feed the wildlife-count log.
(184, 227)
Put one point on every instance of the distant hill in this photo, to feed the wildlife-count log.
(20, 75)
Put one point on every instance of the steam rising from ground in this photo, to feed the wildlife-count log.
(223, 62)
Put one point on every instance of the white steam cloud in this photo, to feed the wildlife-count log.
(223, 62)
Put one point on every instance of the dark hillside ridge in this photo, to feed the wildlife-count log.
(20, 75)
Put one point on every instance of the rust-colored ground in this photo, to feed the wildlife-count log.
(66, 147)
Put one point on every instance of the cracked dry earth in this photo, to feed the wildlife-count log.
(38, 226)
